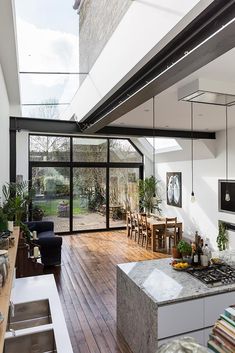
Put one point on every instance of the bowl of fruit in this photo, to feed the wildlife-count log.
(180, 266)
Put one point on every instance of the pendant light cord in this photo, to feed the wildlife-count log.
(154, 138)
(192, 146)
(226, 144)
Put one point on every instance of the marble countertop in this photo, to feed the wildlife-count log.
(166, 285)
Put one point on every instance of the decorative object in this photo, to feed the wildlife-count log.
(3, 220)
(222, 238)
(149, 198)
(192, 155)
(174, 189)
(227, 194)
(10, 226)
(175, 253)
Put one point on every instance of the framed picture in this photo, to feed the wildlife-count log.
(174, 189)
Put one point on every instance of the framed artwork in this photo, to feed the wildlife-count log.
(174, 189)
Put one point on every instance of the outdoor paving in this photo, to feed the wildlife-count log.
(83, 222)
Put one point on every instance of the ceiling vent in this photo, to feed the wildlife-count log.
(208, 92)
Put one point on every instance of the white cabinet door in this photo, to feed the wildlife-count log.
(175, 319)
(215, 305)
(197, 335)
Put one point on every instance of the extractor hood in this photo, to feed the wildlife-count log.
(208, 92)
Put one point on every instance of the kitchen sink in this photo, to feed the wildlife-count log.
(30, 314)
(38, 342)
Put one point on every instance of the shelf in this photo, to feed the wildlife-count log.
(5, 293)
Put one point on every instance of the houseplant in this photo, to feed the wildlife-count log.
(148, 194)
(222, 238)
(3, 220)
(184, 248)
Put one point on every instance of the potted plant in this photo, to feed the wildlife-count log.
(222, 238)
(149, 198)
(3, 220)
(176, 253)
(37, 213)
(185, 249)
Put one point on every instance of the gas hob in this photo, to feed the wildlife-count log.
(215, 275)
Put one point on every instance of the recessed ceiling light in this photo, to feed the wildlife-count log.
(200, 114)
(146, 110)
(167, 126)
(122, 123)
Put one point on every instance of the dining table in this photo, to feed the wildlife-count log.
(158, 223)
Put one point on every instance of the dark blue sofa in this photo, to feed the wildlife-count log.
(49, 243)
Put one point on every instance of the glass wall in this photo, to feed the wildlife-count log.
(52, 196)
(84, 183)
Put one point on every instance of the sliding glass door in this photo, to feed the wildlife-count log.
(52, 196)
(89, 198)
(123, 194)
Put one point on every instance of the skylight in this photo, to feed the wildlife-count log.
(47, 33)
(163, 144)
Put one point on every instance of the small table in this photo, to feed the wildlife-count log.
(155, 224)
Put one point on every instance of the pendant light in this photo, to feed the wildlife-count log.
(193, 199)
(154, 151)
(227, 195)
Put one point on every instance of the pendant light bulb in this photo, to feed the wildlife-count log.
(193, 198)
(227, 196)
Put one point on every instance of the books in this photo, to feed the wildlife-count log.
(222, 338)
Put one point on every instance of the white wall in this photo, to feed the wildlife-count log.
(202, 215)
(22, 160)
(4, 133)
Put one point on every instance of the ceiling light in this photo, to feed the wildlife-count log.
(208, 92)
(227, 195)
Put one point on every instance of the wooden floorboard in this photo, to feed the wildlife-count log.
(86, 283)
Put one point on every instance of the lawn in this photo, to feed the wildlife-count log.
(50, 206)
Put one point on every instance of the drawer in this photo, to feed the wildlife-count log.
(197, 335)
(175, 319)
(215, 305)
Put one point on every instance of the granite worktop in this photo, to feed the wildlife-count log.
(164, 285)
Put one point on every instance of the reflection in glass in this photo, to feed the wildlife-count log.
(43, 111)
(89, 150)
(123, 151)
(52, 196)
(89, 198)
(123, 194)
(49, 148)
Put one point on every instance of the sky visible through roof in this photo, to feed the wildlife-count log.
(48, 43)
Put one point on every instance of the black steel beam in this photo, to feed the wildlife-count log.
(44, 125)
(71, 127)
(143, 132)
(193, 48)
(12, 156)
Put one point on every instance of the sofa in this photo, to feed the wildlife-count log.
(48, 242)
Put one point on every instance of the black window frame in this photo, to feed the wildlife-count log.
(72, 164)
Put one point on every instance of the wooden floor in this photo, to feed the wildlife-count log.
(87, 288)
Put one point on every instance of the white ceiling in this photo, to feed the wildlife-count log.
(174, 114)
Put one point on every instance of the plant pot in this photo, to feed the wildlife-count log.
(175, 253)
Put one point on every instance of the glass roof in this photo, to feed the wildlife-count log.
(48, 48)
(163, 144)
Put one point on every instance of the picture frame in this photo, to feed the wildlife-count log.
(174, 189)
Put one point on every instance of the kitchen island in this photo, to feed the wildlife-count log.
(156, 303)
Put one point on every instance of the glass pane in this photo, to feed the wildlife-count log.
(51, 202)
(90, 150)
(89, 198)
(47, 33)
(49, 148)
(123, 151)
(123, 194)
(48, 88)
(43, 111)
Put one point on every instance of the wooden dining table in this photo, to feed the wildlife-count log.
(159, 224)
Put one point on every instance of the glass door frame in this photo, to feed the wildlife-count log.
(71, 165)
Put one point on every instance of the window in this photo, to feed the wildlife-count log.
(49, 148)
(123, 151)
(90, 150)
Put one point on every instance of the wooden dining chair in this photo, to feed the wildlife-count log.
(129, 224)
(146, 231)
(139, 228)
(171, 230)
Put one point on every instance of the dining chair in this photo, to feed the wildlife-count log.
(171, 230)
(146, 231)
(129, 224)
(139, 228)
